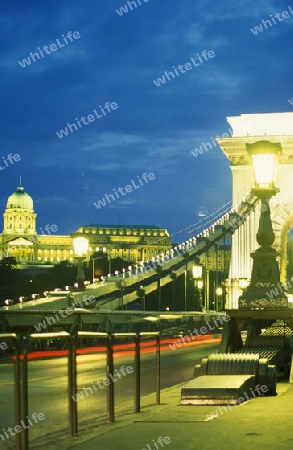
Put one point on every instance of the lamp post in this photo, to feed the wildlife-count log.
(80, 245)
(159, 270)
(198, 283)
(122, 286)
(200, 286)
(173, 275)
(101, 257)
(265, 270)
(141, 295)
(186, 257)
(219, 299)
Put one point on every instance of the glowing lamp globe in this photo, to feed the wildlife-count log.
(219, 291)
(80, 245)
(200, 284)
(264, 156)
(197, 271)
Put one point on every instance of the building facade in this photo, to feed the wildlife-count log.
(19, 238)
(218, 260)
(131, 243)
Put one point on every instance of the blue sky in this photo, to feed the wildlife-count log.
(154, 129)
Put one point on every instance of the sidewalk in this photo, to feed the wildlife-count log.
(260, 424)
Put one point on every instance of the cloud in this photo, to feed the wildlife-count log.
(106, 140)
(211, 12)
(123, 203)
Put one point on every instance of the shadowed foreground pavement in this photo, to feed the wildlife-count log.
(263, 423)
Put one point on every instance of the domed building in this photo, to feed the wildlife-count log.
(19, 238)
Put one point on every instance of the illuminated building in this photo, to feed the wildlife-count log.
(20, 239)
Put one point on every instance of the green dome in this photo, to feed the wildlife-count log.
(20, 199)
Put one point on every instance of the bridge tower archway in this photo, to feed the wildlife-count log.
(248, 129)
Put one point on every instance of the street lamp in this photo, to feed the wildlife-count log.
(265, 270)
(197, 271)
(219, 293)
(122, 285)
(159, 270)
(141, 295)
(80, 245)
(198, 283)
(101, 257)
(186, 257)
(173, 275)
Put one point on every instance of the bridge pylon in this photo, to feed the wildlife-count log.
(250, 129)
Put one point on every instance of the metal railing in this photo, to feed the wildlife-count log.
(62, 335)
(110, 389)
(21, 404)
(17, 392)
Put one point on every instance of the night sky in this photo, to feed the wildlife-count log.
(112, 59)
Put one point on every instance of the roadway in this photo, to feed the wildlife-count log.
(48, 389)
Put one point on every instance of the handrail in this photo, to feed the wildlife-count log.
(22, 348)
(110, 370)
(17, 391)
(62, 335)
